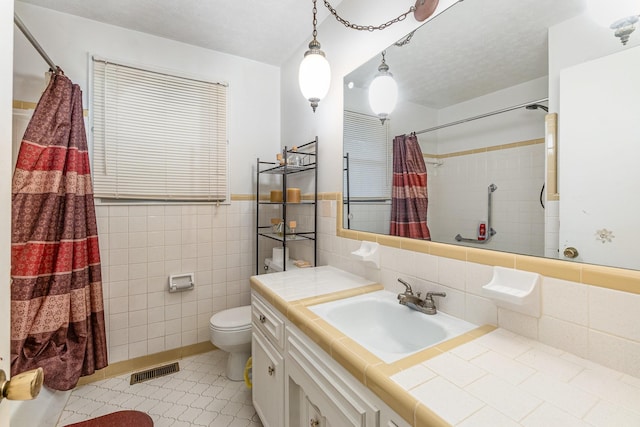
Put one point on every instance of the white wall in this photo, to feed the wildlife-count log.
(142, 245)
(504, 128)
(6, 79)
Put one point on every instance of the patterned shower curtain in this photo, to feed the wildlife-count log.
(57, 311)
(409, 199)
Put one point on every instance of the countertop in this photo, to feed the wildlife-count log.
(487, 377)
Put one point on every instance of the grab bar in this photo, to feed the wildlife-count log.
(492, 232)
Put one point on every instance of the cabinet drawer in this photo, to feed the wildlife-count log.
(267, 321)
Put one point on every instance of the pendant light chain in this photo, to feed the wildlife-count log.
(369, 28)
(406, 40)
(315, 20)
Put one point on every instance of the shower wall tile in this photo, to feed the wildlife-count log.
(142, 245)
(460, 184)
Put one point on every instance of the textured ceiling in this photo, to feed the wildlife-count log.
(267, 31)
(474, 48)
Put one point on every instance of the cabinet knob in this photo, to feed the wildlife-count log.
(271, 370)
(262, 318)
(314, 422)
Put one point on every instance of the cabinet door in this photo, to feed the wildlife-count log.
(313, 417)
(328, 386)
(268, 381)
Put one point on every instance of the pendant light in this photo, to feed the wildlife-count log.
(383, 92)
(314, 74)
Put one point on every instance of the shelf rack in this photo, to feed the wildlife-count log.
(309, 151)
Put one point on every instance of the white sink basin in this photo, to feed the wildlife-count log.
(387, 329)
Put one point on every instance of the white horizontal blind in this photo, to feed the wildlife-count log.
(157, 136)
(370, 156)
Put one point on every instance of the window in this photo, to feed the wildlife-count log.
(158, 136)
(370, 156)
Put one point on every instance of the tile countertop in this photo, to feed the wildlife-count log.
(488, 377)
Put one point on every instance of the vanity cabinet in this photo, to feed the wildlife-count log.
(297, 384)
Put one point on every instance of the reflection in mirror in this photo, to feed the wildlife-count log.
(475, 84)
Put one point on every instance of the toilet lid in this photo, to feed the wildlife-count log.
(233, 318)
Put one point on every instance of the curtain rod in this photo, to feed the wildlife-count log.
(481, 116)
(34, 42)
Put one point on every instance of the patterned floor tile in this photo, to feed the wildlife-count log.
(199, 395)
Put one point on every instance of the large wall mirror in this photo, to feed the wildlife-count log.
(476, 84)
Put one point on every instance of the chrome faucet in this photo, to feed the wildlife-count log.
(414, 302)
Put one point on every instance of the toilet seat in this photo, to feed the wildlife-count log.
(233, 319)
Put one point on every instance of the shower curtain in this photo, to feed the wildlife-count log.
(409, 199)
(57, 311)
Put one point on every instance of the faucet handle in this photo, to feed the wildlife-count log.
(429, 295)
(408, 289)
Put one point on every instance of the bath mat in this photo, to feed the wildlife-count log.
(118, 419)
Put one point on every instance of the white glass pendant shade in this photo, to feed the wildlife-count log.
(607, 12)
(383, 95)
(314, 77)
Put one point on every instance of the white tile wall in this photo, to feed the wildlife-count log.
(141, 246)
(598, 324)
(460, 185)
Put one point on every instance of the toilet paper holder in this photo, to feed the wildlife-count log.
(181, 282)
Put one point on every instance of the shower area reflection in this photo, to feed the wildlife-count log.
(465, 155)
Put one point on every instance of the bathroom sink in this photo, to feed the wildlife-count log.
(387, 329)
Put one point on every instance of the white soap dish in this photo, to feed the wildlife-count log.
(368, 252)
(514, 289)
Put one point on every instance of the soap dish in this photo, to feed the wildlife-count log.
(368, 252)
(515, 290)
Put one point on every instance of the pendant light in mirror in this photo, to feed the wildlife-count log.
(383, 92)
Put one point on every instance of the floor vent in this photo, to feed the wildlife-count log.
(152, 373)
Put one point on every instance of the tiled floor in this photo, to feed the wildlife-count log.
(198, 395)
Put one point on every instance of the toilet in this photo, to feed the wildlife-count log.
(231, 332)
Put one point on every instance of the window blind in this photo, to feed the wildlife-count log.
(370, 156)
(158, 136)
